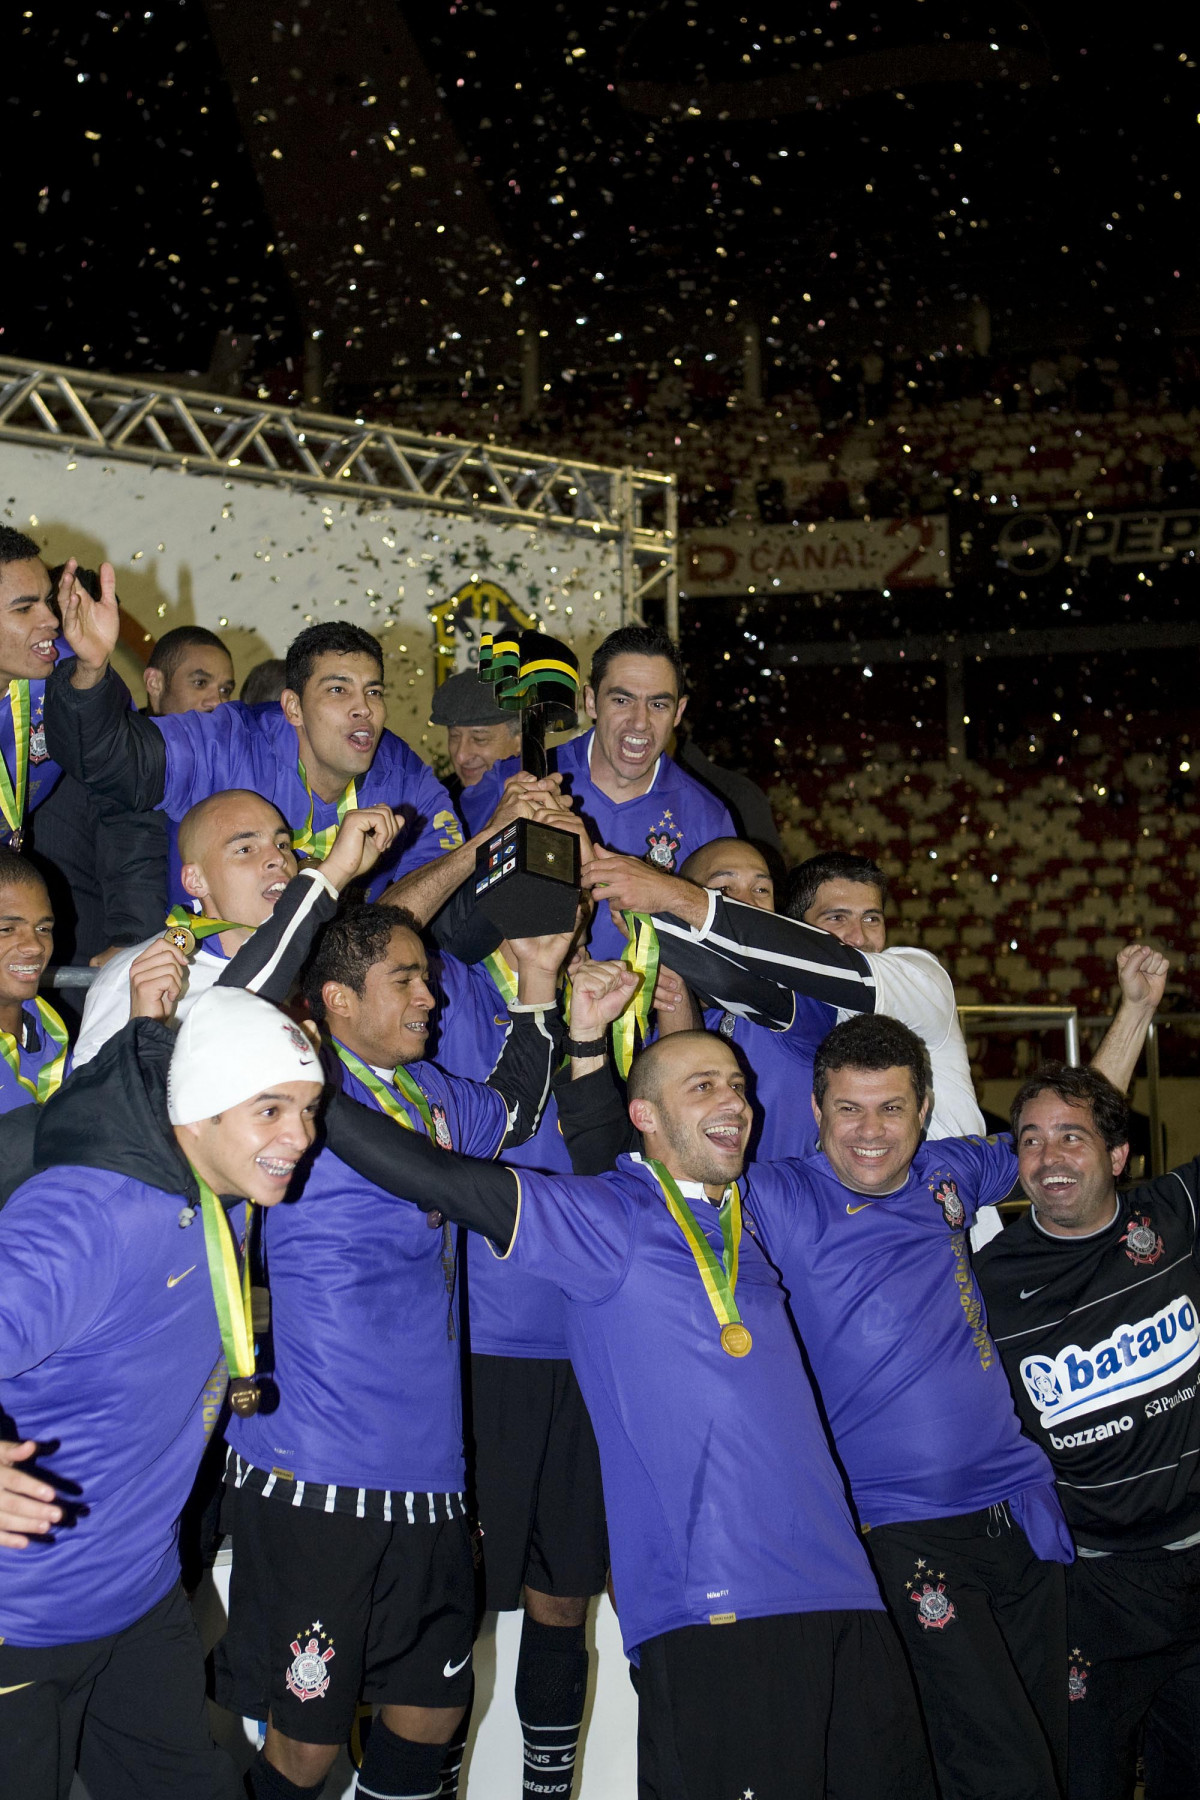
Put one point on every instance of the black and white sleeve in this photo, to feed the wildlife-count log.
(96, 736)
(270, 961)
(480, 1195)
(532, 1051)
(753, 962)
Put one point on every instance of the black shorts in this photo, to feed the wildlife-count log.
(127, 1710)
(1134, 1636)
(799, 1705)
(536, 1471)
(327, 1608)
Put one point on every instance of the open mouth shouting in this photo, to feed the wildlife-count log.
(636, 748)
(272, 892)
(43, 650)
(362, 741)
(726, 1135)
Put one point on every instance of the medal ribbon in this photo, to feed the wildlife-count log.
(385, 1095)
(231, 1294)
(719, 1274)
(50, 1075)
(319, 843)
(199, 926)
(13, 787)
(641, 955)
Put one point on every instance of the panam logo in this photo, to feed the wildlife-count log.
(1131, 1360)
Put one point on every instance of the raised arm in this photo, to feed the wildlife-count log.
(1143, 976)
(270, 960)
(91, 730)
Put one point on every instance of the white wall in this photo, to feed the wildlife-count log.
(259, 563)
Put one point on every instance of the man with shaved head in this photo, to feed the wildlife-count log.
(767, 1664)
(237, 858)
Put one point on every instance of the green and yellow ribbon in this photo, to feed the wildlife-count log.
(231, 1291)
(199, 924)
(318, 844)
(719, 1274)
(641, 955)
(50, 1075)
(13, 787)
(385, 1095)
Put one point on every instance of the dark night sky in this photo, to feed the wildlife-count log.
(140, 229)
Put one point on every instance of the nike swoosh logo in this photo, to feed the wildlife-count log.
(16, 1688)
(1028, 1293)
(174, 1280)
(453, 1668)
(853, 1209)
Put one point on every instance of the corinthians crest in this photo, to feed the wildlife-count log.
(308, 1677)
(952, 1207)
(934, 1610)
(1142, 1243)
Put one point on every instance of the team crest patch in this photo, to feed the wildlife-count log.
(38, 752)
(308, 1677)
(935, 1609)
(441, 1128)
(728, 1025)
(952, 1207)
(662, 844)
(1142, 1243)
(1077, 1677)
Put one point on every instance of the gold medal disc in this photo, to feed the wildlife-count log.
(243, 1396)
(181, 937)
(736, 1340)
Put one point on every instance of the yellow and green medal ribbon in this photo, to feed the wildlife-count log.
(231, 1296)
(50, 1075)
(641, 955)
(385, 1095)
(318, 844)
(13, 787)
(718, 1273)
(185, 929)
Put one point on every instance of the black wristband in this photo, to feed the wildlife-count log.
(593, 1047)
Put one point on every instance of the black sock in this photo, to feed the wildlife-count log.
(551, 1687)
(266, 1783)
(396, 1768)
(455, 1751)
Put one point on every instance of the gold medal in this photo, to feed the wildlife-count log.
(181, 937)
(736, 1340)
(244, 1396)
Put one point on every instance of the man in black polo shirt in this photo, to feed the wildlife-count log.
(1094, 1303)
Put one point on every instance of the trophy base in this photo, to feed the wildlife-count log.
(527, 880)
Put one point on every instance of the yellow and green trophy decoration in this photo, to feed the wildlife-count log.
(527, 875)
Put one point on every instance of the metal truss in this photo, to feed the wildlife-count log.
(140, 421)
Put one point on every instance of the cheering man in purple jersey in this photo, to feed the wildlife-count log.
(345, 1498)
(766, 1664)
(114, 1347)
(630, 793)
(322, 751)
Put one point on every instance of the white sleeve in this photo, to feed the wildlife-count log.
(912, 986)
(106, 1008)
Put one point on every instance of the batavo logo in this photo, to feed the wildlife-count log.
(1131, 1360)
